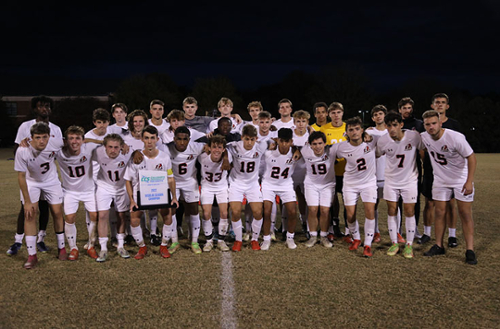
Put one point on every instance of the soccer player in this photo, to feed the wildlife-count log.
(41, 106)
(285, 110)
(153, 159)
(401, 178)
(277, 181)
(223, 129)
(243, 182)
(359, 181)
(183, 155)
(199, 123)
(225, 106)
(137, 121)
(319, 186)
(111, 190)
(320, 110)
(214, 184)
(37, 175)
(156, 108)
(454, 165)
(254, 108)
(176, 119)
(119, 112)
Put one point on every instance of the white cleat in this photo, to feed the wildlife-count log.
(311, 242)
(103, 255)
(209, 245)
(291, 244)
(246, 237)
(324, 241)
(221, 244)
(266, 244)
(123, 253)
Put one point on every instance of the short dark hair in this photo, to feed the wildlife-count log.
(112, 137)
(136, 113)
(176, 114)
(316, 135)
(74, 130)
(430, 114)
(285, 134)
(156, 102)
(119, 105)
(265, 115)
(40, 128)
(379, 108)
(249, 130)
(151, 130)
(217, 139)
(101, 114)
(404, 101)
(393, 116)
(42, 99)
(356, 121)
(284, 100)
(222, 119)
(440, 95)
(182, 130)
(320, 104)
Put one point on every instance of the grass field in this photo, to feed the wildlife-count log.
(279, 288)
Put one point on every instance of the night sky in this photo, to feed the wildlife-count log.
(47, 48)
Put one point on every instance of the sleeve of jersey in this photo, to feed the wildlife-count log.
(333, 151)
(462, 146)
(19, 162)
(129, 172)
(170, 172)
(21, 133)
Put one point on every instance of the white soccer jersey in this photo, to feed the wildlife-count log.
(360, 166)
(401, 164)
(320, 170)
(380, 161)
(93, 135)
(134, 143)
(77, 170)
(280, 124)
(120, 130)
(236, 128)
(24, 131)
(161, 128)
(39, 166)
(213, 178)
(279, 171)
(111, 172)
(161, 163)
(299, 172)
(448, 157)
(300, 140)
(168, 135)
(184, 163)
(246, 163)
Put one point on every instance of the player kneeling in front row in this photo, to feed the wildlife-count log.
(154, 159)
(454, 164)
(401, 178)
(214, 185)
(277, 181)
(37, 174)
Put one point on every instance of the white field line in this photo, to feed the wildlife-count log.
(228, 314)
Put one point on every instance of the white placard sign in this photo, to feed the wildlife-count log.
(153, 188)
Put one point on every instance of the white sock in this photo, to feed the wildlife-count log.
(256, 227)
(208, 228)
(314, 234)
(238, 230)
(174, 235)
(354, 229)
(323, 234)
(369, 231)
(392, 225)
(399, 220)
(427, 230)
(267, 237)
(347, 231)
(92, 227)
(87, 219)
(273, 217)
(223, 226)
(121, 239)
(31, 244)
(70, 232)
(167, 233)
(452, 232)
(41, 235)
(60, 240)
(104, 243)
(410, 229)
(195, 227)
(19, 238)
(290, 235)
(153, 221)
(137, 234)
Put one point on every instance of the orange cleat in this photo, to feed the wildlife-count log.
(367, 252)
(61, 254)
(401, 239)
(92, 253)
(73, 254)
(355, 245)
(237, 245)
(141, 253)
(347, 239)
(164, 252)
(31, 262)
(255, 245)
(376, 237)
(331, 237)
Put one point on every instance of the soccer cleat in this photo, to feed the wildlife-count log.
(291, 244)
(31, 262)
(354, 245)
(347, 239)
(221, 244)
(129, 239)
(123, 253)
(73, 254)
(246, 237)
(376, 237)
(103, 255)
(452, 242)
(114, 242)
(195, 247)
(164, 252)
(174, 247)
(367, 252)
(14, 249)
(61, 254)
(393, 250)
(155, 240)
(470, 257)
(311, 242)
(42, 247)
(408, 251)
(92, 253)
(141, 253)
(209, 245)
(401, 239)
(424, 239)
(255, 245)
(337, 232)
(266, 244)
(330, 237)
(86, 246)
(324, 241)
(237, 245)
(434, 251)
(273, 236)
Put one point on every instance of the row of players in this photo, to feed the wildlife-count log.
(276, 173)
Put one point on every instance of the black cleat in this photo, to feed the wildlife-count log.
(424, 239)
(452, 242)
(42, 247)
(155, 240)
(470, 257)
(434, 251)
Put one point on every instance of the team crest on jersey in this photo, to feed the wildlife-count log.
(444, 148)
(190, 157)
(121, 164)
(408, 147)
(52, 154)
(289, 161)
(83, 159)
(325, 157)
(159, 167)
(256, 155)
(367, 149)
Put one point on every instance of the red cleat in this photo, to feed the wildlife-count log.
(31, 262)
(164, 252)
(142, 252)
(92, 253)
(237, 245)
(401, 239)
(61, 254)
(331, 237)
(255, 245)
(347, 239)
(73, 254)
(367, 252)
(355, 245)
(376, 237)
